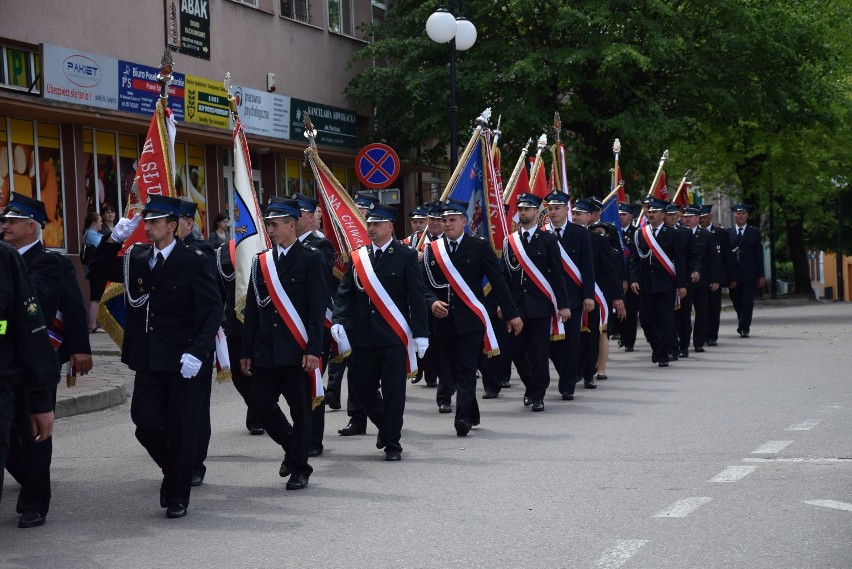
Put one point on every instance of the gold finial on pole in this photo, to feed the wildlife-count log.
(164, 77)
(310, 132)
(557, 125)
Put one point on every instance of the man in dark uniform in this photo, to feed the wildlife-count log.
(628, 328)
(357, 424)
(579, 276)
(417, 219)
(729, 272)
(657, 274)
(283, 335)
(377, 305)
(748, 251)
(186, 226)
(174, 309)
(28, 361)
(708, 277)
(609, 285)
(455, 270)
(307, 235)
(683, 312)
(537, 261)
(55, 283)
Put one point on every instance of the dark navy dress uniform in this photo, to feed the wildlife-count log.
(171, 310)
(609, 283)
(683, 313)
(704, 244)
(729, 274)
(628, 328)
(748, 253)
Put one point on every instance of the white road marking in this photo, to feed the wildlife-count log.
(771, 447)
(830, 408)
(682, 508)
(618, 555)
(804, 425)
(801, 459)
(831, 504)
(733, 473)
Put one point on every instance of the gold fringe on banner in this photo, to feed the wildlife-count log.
(112, 327)
(224, 375)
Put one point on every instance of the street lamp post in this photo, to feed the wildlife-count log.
(443, 27)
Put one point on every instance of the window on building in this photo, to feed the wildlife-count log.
(380, 11)
(299, 10)
(340, 18)
(30, 164)
(20, 70)
(190, 180)
(252, 3)
(109, 160)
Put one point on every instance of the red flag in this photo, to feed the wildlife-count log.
(682, 199)
(522, 186)
(538, 186)
(621, 196)
(662, 190)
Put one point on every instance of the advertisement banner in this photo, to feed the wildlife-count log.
(334, 126)
(139, 90)
(74, 76)
(195, 28)
(206, 102)
(263, 113)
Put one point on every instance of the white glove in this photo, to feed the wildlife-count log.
(191, 366)
(422, 344)
(338, 333)
(125, 227)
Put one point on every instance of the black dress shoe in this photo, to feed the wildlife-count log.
(284, 470)
(711, 342)
(315, 452)
(462, 428)
(297, 481)
(683, 354)
(489, 394)
(30, 519)
(699, 349)
(176, 511)
(743, 334)
(418, 377)
(431, 384)
(332, 401)
(567, 397)
(352, 429)
(601, 377)
(393, 456)
(506, 383)
(673, 357)
(663, 363)
(538, 406)
(654, 358)
(380, 442)
(628, 348)
(590, 384)
(527, 400)
(196, 481)
(256, 430)
(445, 408)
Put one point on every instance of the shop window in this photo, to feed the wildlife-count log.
(20, 70)
(340, 17)
(109, 168)
(296, 176)
(190, 180)
(299, 10)
(50, 183)
(128, 154)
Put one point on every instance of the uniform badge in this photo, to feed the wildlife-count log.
(31, 307)
(390, 249)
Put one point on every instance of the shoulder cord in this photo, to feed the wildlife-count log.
(230, 277)
(260, 301)
(133, 302)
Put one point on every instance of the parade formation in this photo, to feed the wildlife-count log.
(491, 277)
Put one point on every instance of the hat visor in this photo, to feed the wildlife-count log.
(277, 214)
(652, 208)
(12, 214)
(417, 217)
(376, 219)
(528, 205)
(154, 214)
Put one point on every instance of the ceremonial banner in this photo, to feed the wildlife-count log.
(662, 190)
(520, 186)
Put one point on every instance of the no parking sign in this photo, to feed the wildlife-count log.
(377, 165)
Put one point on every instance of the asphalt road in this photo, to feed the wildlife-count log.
(739, 457)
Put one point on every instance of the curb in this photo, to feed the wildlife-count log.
(96, 399)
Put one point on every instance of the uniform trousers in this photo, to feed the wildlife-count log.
(7, 415)
(590, 347)
(205, 374)
(293, 383)
(683, 321)
(565, 354)
(532, 348)
(241, 382)
(656, 314)
(628, 326)
(439, 370)
(700, 302)
(491, 369)
(374, 368)
(164, 409)
(28, 461)
(462, 353)
(714, 313)
(742, 296)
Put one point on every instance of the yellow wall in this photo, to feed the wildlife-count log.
(830, 265)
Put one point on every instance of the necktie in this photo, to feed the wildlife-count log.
(378, 254)
(158, 264)
(559, 233)
(526, 237)
(655, 232)
(453, 246)
(740, 236)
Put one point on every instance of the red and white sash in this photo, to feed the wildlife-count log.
(602, 305)
(657, 251)
(385, 305)
(557, 329)
(568, 264)
(288, 314)
(464, 292)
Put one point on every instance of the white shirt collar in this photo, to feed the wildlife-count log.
(383, 247)
(26, 248)
(531, 231)
(304, 236)
(284, 250)
(741, 228)
(458, 240)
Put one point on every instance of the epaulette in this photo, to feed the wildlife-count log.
(198, 251)
(311, 247)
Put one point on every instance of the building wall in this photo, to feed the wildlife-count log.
(830, 275)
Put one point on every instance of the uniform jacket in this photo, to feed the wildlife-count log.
(606, 274)
(231, 325)
(183, 311)
(24, 343)
(543, 251)
(55, 281)
(704, 246)
(473, 259)
(328, 257)
(399, 273)
(726, 254)
(266, 338)
(650, 273)
(577, 243)
(692, 256)
(748, 253)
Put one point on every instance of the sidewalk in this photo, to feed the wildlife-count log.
(104, 387)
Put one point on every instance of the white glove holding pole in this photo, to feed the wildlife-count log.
(191, 366)
(421, 345)
(338, 333)
(125, 227)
